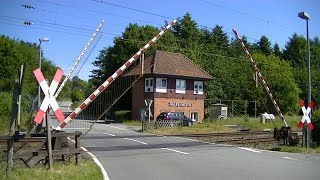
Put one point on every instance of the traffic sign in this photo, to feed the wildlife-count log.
(306, 113)
(49, 98)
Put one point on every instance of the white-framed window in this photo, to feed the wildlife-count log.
(180, 86)
(148, 85)
(198, 87)
(161, 85)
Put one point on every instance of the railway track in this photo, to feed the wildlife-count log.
(250, 137)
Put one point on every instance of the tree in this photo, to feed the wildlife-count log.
(219, 38)
(295, 51)
(186, 31)
(13, 54)
(236, 49)
(279, 76)
(276, 50)
(263, 46)
(79, 84)
(132, 39)
(77, 95)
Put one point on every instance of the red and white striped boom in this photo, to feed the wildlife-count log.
(79, 58)
(113, 77)
(264, 83)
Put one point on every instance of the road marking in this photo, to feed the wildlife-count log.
(135, 140)
(116, 127)
(109, 134)
(76, 128)
(175, 151)
(250, 149)
(296, 159)
(186, 139)
(95, 159)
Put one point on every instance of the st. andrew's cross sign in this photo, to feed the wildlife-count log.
(49, 98)
(306, 113)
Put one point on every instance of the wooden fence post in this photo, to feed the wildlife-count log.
(13, 118)
(49, 144)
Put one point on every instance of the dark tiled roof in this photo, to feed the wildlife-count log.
(171, 64)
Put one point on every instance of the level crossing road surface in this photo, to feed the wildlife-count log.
(128, 154)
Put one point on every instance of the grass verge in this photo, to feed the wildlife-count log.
(294, 149)
(132, 123)
(211, 126)
(194, 129)
(87, 169)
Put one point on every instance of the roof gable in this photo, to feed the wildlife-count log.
(171, 64)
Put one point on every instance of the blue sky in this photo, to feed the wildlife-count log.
(69, 24)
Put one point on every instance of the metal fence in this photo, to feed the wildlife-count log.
(146, 125)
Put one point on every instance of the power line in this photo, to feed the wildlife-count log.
(132, 9)
(146, 12)
(142, 11)
(76, 29)
(89, 55)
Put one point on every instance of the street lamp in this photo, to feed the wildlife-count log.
(40, 40)
(306, 16)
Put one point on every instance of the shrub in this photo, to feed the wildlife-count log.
(77, 95)
(316, 124)
(5, 104)
(121, 115)
(5, 111)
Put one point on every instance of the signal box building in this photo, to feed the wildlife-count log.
(174, 84)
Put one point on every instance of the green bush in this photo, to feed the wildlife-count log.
(77, 95)
(122, 115)
(5, 111)
(5, 104)
(316, 124)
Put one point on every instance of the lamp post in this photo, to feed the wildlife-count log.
(40, 41)
(306, 137)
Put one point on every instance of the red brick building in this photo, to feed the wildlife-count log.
(173, 82)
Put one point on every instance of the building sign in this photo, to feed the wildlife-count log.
(174, 104)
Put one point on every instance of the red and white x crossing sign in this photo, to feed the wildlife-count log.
(49, 98)
(306, 113)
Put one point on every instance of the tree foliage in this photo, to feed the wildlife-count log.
(224, 60)
(13, 54)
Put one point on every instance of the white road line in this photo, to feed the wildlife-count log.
(175, 151)
(76, 128)
(116, 127)
(296, 159)
(250, 149)
(95, 159)
(135, 140)
(186, 139)
(109, 134)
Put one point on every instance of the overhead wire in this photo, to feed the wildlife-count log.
(88, 55)
(158, 44)
(89, 30)
(159, 15)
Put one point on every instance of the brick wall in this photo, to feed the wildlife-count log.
(137, 98)
(162, 104)
(161, 100)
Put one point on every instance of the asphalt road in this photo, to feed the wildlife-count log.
(126, 154)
